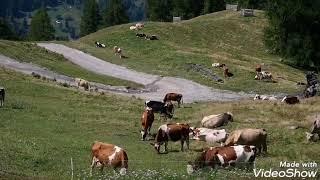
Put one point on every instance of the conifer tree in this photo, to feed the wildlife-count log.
(41, 28)
(115, 13)
(90, 18)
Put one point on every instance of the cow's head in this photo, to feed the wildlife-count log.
(312, 137)
(257, 97)
(230, 116)
(156, 146)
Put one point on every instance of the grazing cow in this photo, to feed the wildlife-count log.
(264, 97)
(312, 137)
(82, 83)
(173, 97)
(226, 72)
(164, 109)
(172, 132)
(224, 156)
(117, 51)
(290, 99)
(146, 122)
(98, 44)
(255, 137)
(263, 75)
(36, 75)
(218, 65)
(140, 35)
(152, 37)
(109, 155)
(258, 68)
(216, 120)
(133, 28)
(2, 96)
(210, 135)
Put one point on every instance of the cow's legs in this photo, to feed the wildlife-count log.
(92, 165)
(187, 142)
(182, 142)
(166, 146)
(265, 149)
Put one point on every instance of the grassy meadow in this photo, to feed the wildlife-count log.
(43, 126)
(31, 53)
(223, 37)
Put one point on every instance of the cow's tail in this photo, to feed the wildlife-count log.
(124, 163)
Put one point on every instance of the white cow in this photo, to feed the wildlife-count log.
(210, 135)
(264, 97)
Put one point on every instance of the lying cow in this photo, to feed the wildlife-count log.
(264, 97)
(98, 44)
(173, 97)
(140, 35)
(224, 156)
(172, 132)
(255, 137)
(109, 155)
(146, 122)
(82, 83)
(210, 135)
(133, 28)
(216, 120)
(164, 109)
(218, 65)
(152, 37)
(290, 99)
(263, 75)
(139, 26)
(2, 96)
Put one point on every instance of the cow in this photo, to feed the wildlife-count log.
(146, 122)
(152, 37)
(290, 99)
(82, 83)
(218, 65)
(224, 156)
(140, 35)
(258, 68)
(315, 129)
(226, 72)
(36, 75)
(255, 137)
(139, 26)
(110, 155)
(164, 109)
(133, 28)
(98, 44)
(172, 132)
(117, 51)
(216, 120)
(210, 135)
(310, 91)
(263, 75)
(2, 96)
(173, 97)
(264, 97)
(312, 137)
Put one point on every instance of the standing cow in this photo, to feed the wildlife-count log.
(255, 137)
(109, 155)
(2, 96)
(224, 156)
(164, 109)
(146, 122)
(218, 120)
(172, 132)
(174, 97)
(82, 83)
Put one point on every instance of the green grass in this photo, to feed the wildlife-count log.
(43, 125)
(223, 37)
(31, 53)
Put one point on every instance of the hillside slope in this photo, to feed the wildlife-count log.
(223, 37)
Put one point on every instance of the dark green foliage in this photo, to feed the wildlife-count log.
(115, 13)
(41, 28)
(160, 10)
(5, 31)
(211, 6)
(293, 31)
(90, 18)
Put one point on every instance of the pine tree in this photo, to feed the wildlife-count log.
(115, 13)
(90, 18)
(41, 28)
(5, 31)
(160, 10)
(211, 6)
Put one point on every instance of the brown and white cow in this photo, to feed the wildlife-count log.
(172, 132)
(109, 155)
(264, 97)
(216, 120)
(290, 99)
(224, 156)
(82, 83)
(263, 75)
(255, 137)
(173, 97)
(146, 122)
(210, 135)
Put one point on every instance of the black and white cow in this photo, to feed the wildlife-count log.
(164, 109)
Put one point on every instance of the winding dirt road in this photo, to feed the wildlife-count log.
(156, 86)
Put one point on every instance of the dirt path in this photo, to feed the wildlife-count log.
(156, 86)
